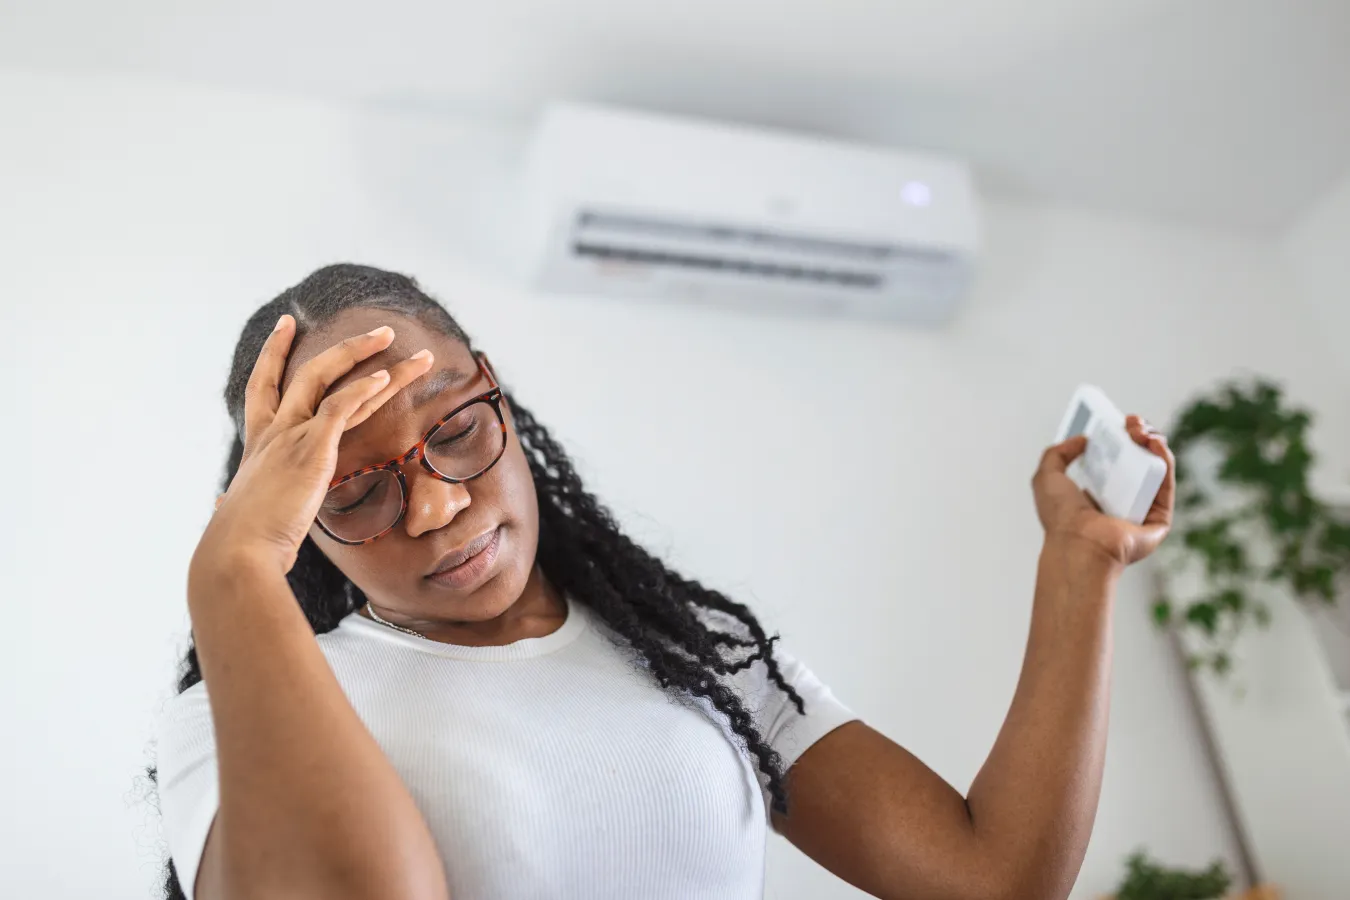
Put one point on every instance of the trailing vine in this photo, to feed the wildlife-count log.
(1270, 531)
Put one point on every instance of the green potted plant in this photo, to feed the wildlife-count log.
(1246, 516)
(1148, 880)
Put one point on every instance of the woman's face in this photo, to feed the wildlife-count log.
(495, 516)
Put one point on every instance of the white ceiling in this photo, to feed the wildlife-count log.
(1232, 113)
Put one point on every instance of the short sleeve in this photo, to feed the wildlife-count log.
(783, 728)
(786, 730)
(189, 791)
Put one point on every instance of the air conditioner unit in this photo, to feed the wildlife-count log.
(641, 206)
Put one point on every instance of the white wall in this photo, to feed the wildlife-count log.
(142, 222)
(1315, 249)
(1316, 252)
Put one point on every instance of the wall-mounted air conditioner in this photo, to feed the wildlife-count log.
(646, 206)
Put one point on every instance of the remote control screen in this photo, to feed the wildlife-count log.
(1080, 420)
(1103, 450)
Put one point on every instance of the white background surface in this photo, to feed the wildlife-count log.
(867, 490)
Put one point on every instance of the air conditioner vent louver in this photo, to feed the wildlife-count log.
(728, 235)
(739, 251)
(730, 266)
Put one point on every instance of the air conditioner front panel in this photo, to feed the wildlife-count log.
(642, 206)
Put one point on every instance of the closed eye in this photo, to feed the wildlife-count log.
(445, 441)
(340, 503)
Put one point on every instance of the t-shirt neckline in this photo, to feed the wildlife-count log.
(572, 627)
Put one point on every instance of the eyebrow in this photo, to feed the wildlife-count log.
(430, 386)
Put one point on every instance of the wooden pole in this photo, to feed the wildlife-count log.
(1246, 862)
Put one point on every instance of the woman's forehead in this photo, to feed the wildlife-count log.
(410, 336)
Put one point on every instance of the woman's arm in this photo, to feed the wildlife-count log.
(309, 805)
(876, 816)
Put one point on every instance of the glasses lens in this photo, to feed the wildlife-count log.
(363, 507)
(468, 444)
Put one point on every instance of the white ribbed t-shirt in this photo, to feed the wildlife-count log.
(552, 767)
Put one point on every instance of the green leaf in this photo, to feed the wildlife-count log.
(1162, 612)
(1212, 541)
(1232, 598)
(1191, 500)
(1205, 614)
(1324, 580)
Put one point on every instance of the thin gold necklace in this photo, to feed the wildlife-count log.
(376, 616)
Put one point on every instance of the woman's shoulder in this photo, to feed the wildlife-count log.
(196, 695)
(183, 723)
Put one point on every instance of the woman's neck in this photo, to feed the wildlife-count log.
(538, 611)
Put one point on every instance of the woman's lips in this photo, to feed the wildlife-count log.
(477, 558)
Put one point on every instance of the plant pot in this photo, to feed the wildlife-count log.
(1260, 892)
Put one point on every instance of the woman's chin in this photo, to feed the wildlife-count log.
(493, 595)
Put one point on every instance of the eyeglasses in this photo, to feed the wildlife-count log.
(368, 503)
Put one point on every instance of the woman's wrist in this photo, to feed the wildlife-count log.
(213, 573)
(1081, 555)
(1077, 573)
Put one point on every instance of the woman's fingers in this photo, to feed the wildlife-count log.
(1057, 457)
(1161, 511)
(355, 402)
(337, 408)
(1146, 436)
(400, 376)
(1140, 430)
(312, 381)
(262, 394)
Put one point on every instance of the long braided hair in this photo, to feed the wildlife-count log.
(664, 618)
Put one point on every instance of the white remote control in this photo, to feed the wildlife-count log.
(1121, 476)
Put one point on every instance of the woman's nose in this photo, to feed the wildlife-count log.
(432, 503)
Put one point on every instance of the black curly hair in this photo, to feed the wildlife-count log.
(663, 617)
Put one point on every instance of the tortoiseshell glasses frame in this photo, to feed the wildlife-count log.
(492, 397)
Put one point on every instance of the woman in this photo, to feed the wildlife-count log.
(485, 712)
